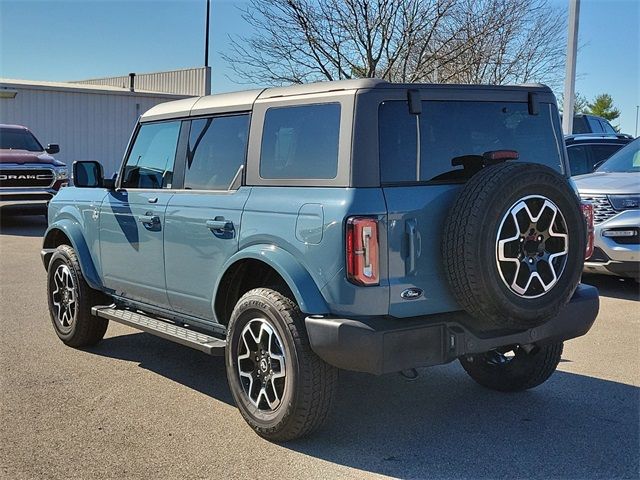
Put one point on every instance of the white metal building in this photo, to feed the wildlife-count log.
(91, 121)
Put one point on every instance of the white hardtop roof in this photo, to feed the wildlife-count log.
(243, 101)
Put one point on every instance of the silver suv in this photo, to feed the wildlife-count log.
(614, 191)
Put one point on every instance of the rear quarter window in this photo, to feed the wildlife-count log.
(300, 142)
(421, 147)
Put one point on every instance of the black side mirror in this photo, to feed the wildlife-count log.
(88, 174)
(52, 148)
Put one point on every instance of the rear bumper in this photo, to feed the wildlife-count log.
(385, 345)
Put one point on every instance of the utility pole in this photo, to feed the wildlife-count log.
(637, 108)
(570, 70)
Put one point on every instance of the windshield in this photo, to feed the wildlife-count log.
(14, 139)
(625, 160)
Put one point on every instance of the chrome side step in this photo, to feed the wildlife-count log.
(164, 329)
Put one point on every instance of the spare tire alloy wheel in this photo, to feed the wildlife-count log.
(532, 246)
(261, 364)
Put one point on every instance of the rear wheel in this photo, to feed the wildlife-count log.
(70, 301)
(282, 389)
(513, 369)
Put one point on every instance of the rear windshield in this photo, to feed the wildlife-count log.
(14, 139)
(419, 148)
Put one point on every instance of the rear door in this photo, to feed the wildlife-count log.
(420, 183)
(203, 220)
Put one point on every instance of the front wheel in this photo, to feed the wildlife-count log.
(513, 369)
(70, 301)
(282, 389)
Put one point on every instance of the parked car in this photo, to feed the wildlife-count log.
(27, 169)
(614, 191)
(304, 229)
(588, 151)
(587, 123)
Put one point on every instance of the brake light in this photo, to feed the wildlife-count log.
(587, 211)
(362, 254)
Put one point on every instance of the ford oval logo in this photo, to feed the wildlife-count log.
(411, 293)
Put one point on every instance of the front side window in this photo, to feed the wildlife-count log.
(418, 148)
(602, 152)
(151, 160)
(217, 148)
(301, 142)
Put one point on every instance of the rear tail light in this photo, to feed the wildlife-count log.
(587, 211)
(362, 254)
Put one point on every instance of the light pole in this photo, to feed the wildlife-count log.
(206, 36)
(570, 70)
(637, 108)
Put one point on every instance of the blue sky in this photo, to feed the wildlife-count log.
(71, 40)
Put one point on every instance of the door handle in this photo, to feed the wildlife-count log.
(220, 224)
(411, 231)
(149, 219)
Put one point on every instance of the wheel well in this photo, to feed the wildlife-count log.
(241, 277)
(55, 238)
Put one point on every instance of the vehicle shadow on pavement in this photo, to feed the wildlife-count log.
(442, 425)
(614, 287)
(183, 365)
(23, 220)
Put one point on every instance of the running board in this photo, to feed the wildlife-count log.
(162, 329)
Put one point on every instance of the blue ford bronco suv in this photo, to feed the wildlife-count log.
(358, 225)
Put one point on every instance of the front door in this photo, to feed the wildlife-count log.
(132, 218)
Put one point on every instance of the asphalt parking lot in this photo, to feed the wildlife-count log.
(136, 406)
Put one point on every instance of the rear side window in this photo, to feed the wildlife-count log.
(301, 142)
(151, 160)
(418, 148)
(217, 148)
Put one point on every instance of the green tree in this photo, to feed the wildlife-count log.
(603, 106)
(580, 104)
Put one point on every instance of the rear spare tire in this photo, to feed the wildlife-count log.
(514, 245)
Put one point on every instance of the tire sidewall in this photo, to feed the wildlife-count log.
(247, 309)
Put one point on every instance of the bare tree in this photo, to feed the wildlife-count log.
(458, 41)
